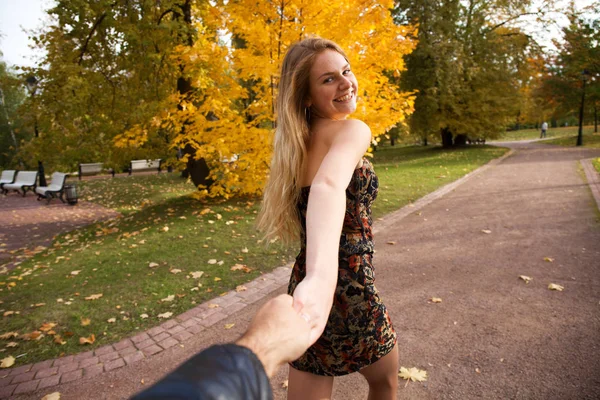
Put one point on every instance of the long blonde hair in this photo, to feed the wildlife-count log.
(278, 217)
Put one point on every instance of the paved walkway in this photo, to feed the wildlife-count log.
(28, 225)
(492, 337)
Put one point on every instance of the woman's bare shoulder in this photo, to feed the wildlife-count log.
(347, 129)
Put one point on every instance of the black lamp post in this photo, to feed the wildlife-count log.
(32, 84)
(584, 78)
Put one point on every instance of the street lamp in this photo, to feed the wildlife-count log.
(584, 78)
(32, 83)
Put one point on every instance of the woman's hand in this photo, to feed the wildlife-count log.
(313, 298)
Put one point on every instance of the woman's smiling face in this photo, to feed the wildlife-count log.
(333, 86)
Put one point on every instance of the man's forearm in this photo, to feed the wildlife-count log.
(225, 371)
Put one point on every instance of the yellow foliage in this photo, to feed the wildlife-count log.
(228, 118)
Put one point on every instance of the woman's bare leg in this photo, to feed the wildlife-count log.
(306, 386)
(382, 377)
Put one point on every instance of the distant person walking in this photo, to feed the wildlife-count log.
(544, 129)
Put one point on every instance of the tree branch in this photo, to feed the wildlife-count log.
(89, 36)
(164, 14)
(493, 28)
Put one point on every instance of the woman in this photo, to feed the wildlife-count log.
(320, 190)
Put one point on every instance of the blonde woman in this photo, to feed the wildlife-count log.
(320, 191)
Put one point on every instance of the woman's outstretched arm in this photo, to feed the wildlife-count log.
(347, 143)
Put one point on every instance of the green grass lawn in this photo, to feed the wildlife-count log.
(409, 173)
(590, 139)
(596, 163)
(530, 134)
(169, 252)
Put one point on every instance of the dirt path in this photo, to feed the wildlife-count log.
(28, 223)
(493, 336)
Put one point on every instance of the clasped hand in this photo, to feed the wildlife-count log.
(313, 298)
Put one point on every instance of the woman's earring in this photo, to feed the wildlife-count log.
(307, 114)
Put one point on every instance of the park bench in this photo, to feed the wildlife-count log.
(8, 176)
(145, 165)
(93, 169)
(25, 180)
(56, 188)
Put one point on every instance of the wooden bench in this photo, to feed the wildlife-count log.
(25, 180)
(8, 176)
(54, 189)
(93, 169)
(145, 165)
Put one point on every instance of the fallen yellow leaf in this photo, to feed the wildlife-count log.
(412, 374)
(238, 267)
(175, 271)
(213, 305)
(85, 321)
(35, 335)
(435, 300)
(111, 320)
(12, 344)
(143, 316)
(168, 298)
(229, 326)
(527, 279)
(212, 261)
(7, 362)
(9, 335)
(391, 242)
(217, 279)
(197, 274)
(88, 340)
(52, 396)
(548, 259)
(165, 315)
(47, 326)
(75, 272)
(58, 340)
(555, 286)
(241, 288)
(94, 296)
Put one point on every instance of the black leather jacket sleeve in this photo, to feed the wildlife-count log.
(221, 372)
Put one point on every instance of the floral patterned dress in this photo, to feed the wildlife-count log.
(358, 331)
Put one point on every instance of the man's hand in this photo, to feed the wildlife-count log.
(278, 333)
(313, 299)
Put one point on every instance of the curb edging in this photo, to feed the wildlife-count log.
(593, 178)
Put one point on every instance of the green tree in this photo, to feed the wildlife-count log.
(577, 58)
(468, 67)
(109, 65)
(12, 95)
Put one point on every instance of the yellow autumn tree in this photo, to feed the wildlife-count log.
(228, 118)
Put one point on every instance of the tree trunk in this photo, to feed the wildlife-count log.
(196, 169)
(10, 129)
(446, 135)
(425, 141)
(595, 118)
(392, 141)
